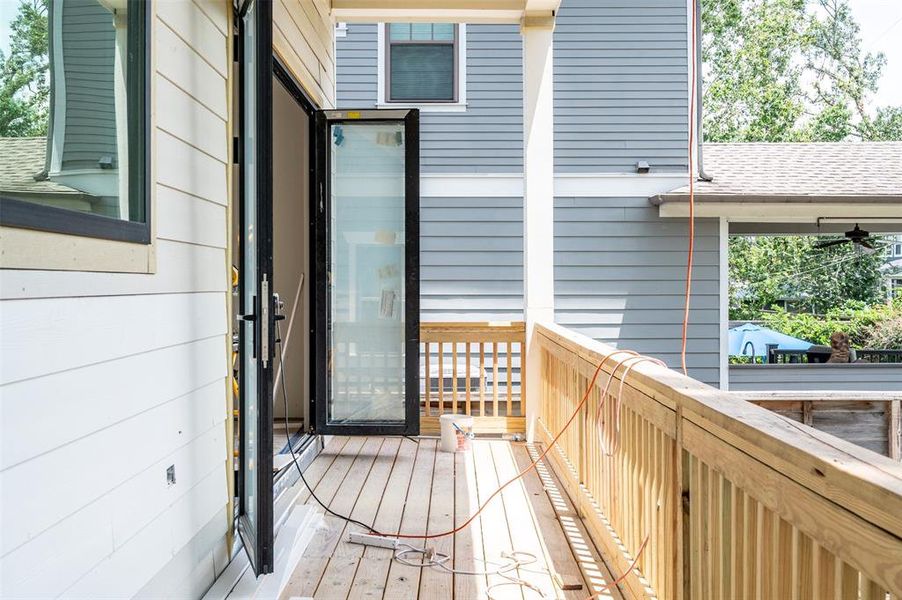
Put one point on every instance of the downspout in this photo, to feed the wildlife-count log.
(698, 91)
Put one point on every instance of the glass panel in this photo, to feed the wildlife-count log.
(421, 31)
(443, 31)
(400, 31)
(367, 266)
(422, 72)
(249, 276)
(66, 114)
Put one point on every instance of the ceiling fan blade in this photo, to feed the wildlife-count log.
(865, 249)
(830, 243)
(868, 243)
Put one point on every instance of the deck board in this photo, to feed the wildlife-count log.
(403, 486)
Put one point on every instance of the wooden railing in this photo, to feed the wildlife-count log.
(872, 420)
(472, 369)
(734, 501)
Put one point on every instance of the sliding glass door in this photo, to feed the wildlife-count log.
(367, 272)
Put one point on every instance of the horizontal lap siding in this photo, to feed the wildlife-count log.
(818, 377)
(619, 273)
(471, 259)
(620, 85)
(108, 379)
(303, 40)
(356, 66)
(488, 136)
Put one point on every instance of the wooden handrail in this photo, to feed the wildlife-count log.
(473, 369)
(735, 500)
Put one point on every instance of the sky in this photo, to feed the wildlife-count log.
(881, 31)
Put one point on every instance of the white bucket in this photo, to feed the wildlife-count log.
(454, 440)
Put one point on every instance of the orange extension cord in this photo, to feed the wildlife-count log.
(689, 259)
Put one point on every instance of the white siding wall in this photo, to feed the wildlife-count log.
(108, 379)
(303, 37)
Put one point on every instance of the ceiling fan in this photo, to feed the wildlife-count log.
(857, 236)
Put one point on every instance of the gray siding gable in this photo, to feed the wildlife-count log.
(620, 85)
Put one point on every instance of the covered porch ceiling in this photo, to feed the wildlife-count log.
(465, 11)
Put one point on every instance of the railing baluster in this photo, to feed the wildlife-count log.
(481, 379)
(469, 384)
(428, 378)
(441, 378)
(454, 377)
(510, 387)
(494, 379)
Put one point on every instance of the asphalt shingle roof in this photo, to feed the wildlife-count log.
(795, 172)
(21, 158)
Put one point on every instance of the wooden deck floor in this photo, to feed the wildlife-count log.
(408, 486)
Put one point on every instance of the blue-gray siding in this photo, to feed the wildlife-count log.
(619, 273)
(620, 85)
(356, 67)
(471, 259)
(488, 137)
(89, 46)
(860, 378)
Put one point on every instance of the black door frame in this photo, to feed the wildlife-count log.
(320, 307)
(257, 534)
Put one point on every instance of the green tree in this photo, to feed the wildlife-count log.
(790, 70)
(24, 75)
(769, 272)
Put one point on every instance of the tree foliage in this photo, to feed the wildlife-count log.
(790, 70)
(767, 273)
(24, 76)
(876, 327)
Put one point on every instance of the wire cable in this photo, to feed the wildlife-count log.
(516, 559)
(294, 457)
(620, 579)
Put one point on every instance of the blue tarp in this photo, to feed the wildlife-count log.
(750, 339)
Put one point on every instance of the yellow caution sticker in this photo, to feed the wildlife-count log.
(353, 114)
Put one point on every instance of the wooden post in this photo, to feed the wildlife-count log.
(894, 426)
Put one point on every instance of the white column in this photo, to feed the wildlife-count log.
(538, 196)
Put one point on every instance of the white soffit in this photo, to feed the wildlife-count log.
(460, 11)
(784, 212)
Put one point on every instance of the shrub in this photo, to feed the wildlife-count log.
(885, 334)
(868, 326)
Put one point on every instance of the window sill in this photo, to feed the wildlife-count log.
(49, 251)
(426, 107)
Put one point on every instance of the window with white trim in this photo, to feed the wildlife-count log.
(422, 63)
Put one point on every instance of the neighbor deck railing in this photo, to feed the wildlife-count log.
(735, 501)
(869, 419)
(472, 369)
